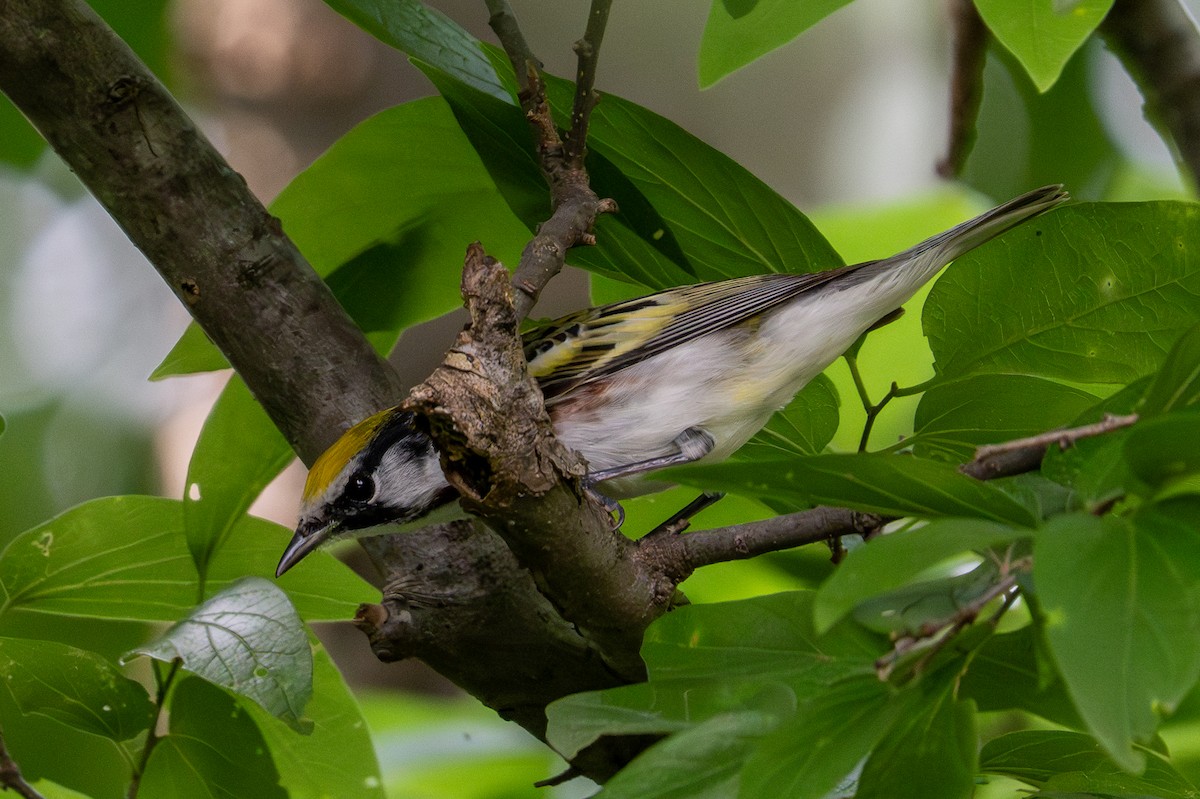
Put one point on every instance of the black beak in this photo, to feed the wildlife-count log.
(302, 543)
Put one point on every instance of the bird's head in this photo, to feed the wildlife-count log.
(381, 471)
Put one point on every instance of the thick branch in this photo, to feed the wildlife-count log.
(215, 245)
(486, 415)
(1158, 42)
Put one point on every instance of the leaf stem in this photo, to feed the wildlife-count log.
(152, 736)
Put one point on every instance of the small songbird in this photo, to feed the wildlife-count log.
(684, 375)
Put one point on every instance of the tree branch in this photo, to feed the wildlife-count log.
(211, 240)
(1158, 42)
(588, 50)
(966, 84)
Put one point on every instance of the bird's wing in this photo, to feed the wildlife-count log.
(598, 342)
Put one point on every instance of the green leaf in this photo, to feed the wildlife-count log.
(74, 686)
(337, 758)
(1009, 672)
(1125, 630)
(1165, 449)
(385, 215)
(126, 558)
(704, 660)
(213, 751)
(1177, 383)
(740, 31)
(1043, 35)
(895, 559)
(889, 484)
(680, 220)
(250, 640)
(810, 755)
(1094, 293)
(427, 34)
(238, 453)
(192, 353)
(804, 427)
(1027, 138)
(1053, 758)
(955, 418)
(931, 754)
(699, 763)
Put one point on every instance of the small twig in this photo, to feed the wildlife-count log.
(966, 84)
(576, 206)
(588, 50)
(938, 633)
(10, 775)
(992, 459)
(152, 737)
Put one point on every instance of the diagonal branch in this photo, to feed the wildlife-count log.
(10, 775)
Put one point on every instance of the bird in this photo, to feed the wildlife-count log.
(679, 376)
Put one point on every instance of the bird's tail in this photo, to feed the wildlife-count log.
(921, 261)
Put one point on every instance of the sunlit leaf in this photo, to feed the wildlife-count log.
(1089, 293)
(126, 558)
(249, 640)
(1043, 35)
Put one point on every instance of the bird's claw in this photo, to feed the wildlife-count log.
(608, 503)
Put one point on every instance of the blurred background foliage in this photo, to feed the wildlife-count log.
(847, 122)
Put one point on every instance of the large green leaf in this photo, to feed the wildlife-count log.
(427, 34)
(892, 560)
(1092, 293)
(74, 686)
(337, 757)
(689, 212)
(385, 215)
(1043, 35)
(702, 762)
(1065, 761)
(889, 484)
(1121, 602)
(754, 655)
(238, 453)
(126, 558)
(248, 639)
(213, 751)
(740, 31)
(955, 418)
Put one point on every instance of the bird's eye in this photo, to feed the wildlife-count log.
(359, 488)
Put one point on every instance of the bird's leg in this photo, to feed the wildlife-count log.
(693, 443)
